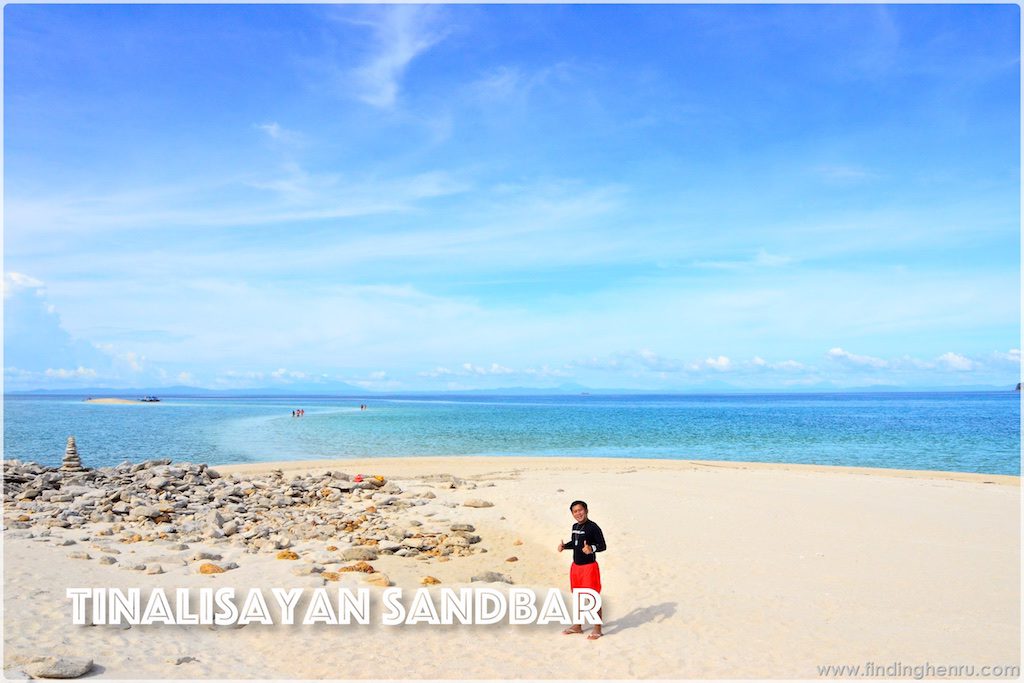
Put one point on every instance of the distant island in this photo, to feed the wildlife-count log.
(121, 400)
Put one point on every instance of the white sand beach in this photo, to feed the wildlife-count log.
(713, 569)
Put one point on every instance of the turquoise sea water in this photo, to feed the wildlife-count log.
(966, 432)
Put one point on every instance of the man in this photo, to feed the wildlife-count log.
(586, 541)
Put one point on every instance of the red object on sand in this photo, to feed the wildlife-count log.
(358, 478)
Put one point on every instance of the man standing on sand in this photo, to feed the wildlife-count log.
(586, 541)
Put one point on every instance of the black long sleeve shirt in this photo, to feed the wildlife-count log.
(590, 533)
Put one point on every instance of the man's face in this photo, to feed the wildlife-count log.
(579, 513)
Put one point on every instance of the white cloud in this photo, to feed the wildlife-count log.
(133, 360)
(722, 363)
(954, 361)
(436, 372)
(276, 132)
(1011, 356)
(17, 282)
(186, 378)
(495, 369)
(762, 259)
(401, 33)
(785, 366)
(839, 354)
(61, 373)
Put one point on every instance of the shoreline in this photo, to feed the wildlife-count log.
(480, 465)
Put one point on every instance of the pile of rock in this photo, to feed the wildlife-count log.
(71, 460)
(189, 502)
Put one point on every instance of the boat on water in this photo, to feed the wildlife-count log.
(149, 399)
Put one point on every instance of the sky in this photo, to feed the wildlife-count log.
(443, 197)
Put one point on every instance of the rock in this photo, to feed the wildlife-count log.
(287, 555)
(363, 567)
(358, 553)
(463, 527)
(79, 555)
(157, 483)
(59, 667)
(210, 568)
(429, 581)
(512, 559)
(108, 559)
(154, 569)
(180, 660)
(143, 511)
(71, 461)
(477, 503)
(377, 579)
(517, 542)
(492, 577)
(203, 555)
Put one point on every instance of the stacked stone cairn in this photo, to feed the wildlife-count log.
(71, 461)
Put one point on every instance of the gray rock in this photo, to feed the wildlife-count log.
(143, 511)
(492, 577)
(59, 667)
(359, 553)
(154, 569)
(80, 555)
(203, 555)
(463, 527)
(108, 559)
(477, 503)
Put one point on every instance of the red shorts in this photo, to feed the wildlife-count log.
(585, 576)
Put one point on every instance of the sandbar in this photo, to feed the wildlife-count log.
(713, 570)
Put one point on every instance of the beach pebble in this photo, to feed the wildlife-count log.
(108, 559)
(377, 579)
(210, 568)
(463, 527)
(59, 667)
(157, 482)
(79, 555)
(429, 581)
(359, 553)
(154, 569)
(203, 555)
(180, 660)
(492, 577)
(143, 511)
(512, 559)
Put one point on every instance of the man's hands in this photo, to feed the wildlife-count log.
(587, 550)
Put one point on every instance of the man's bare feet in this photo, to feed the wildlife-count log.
(595, 635)
(571, 630)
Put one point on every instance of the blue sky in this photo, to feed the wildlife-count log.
(444, 197)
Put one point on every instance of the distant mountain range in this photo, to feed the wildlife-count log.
(341, 389)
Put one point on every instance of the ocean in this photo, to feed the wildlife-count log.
(960, 432)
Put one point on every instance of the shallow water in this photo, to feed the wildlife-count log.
(966, 432)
